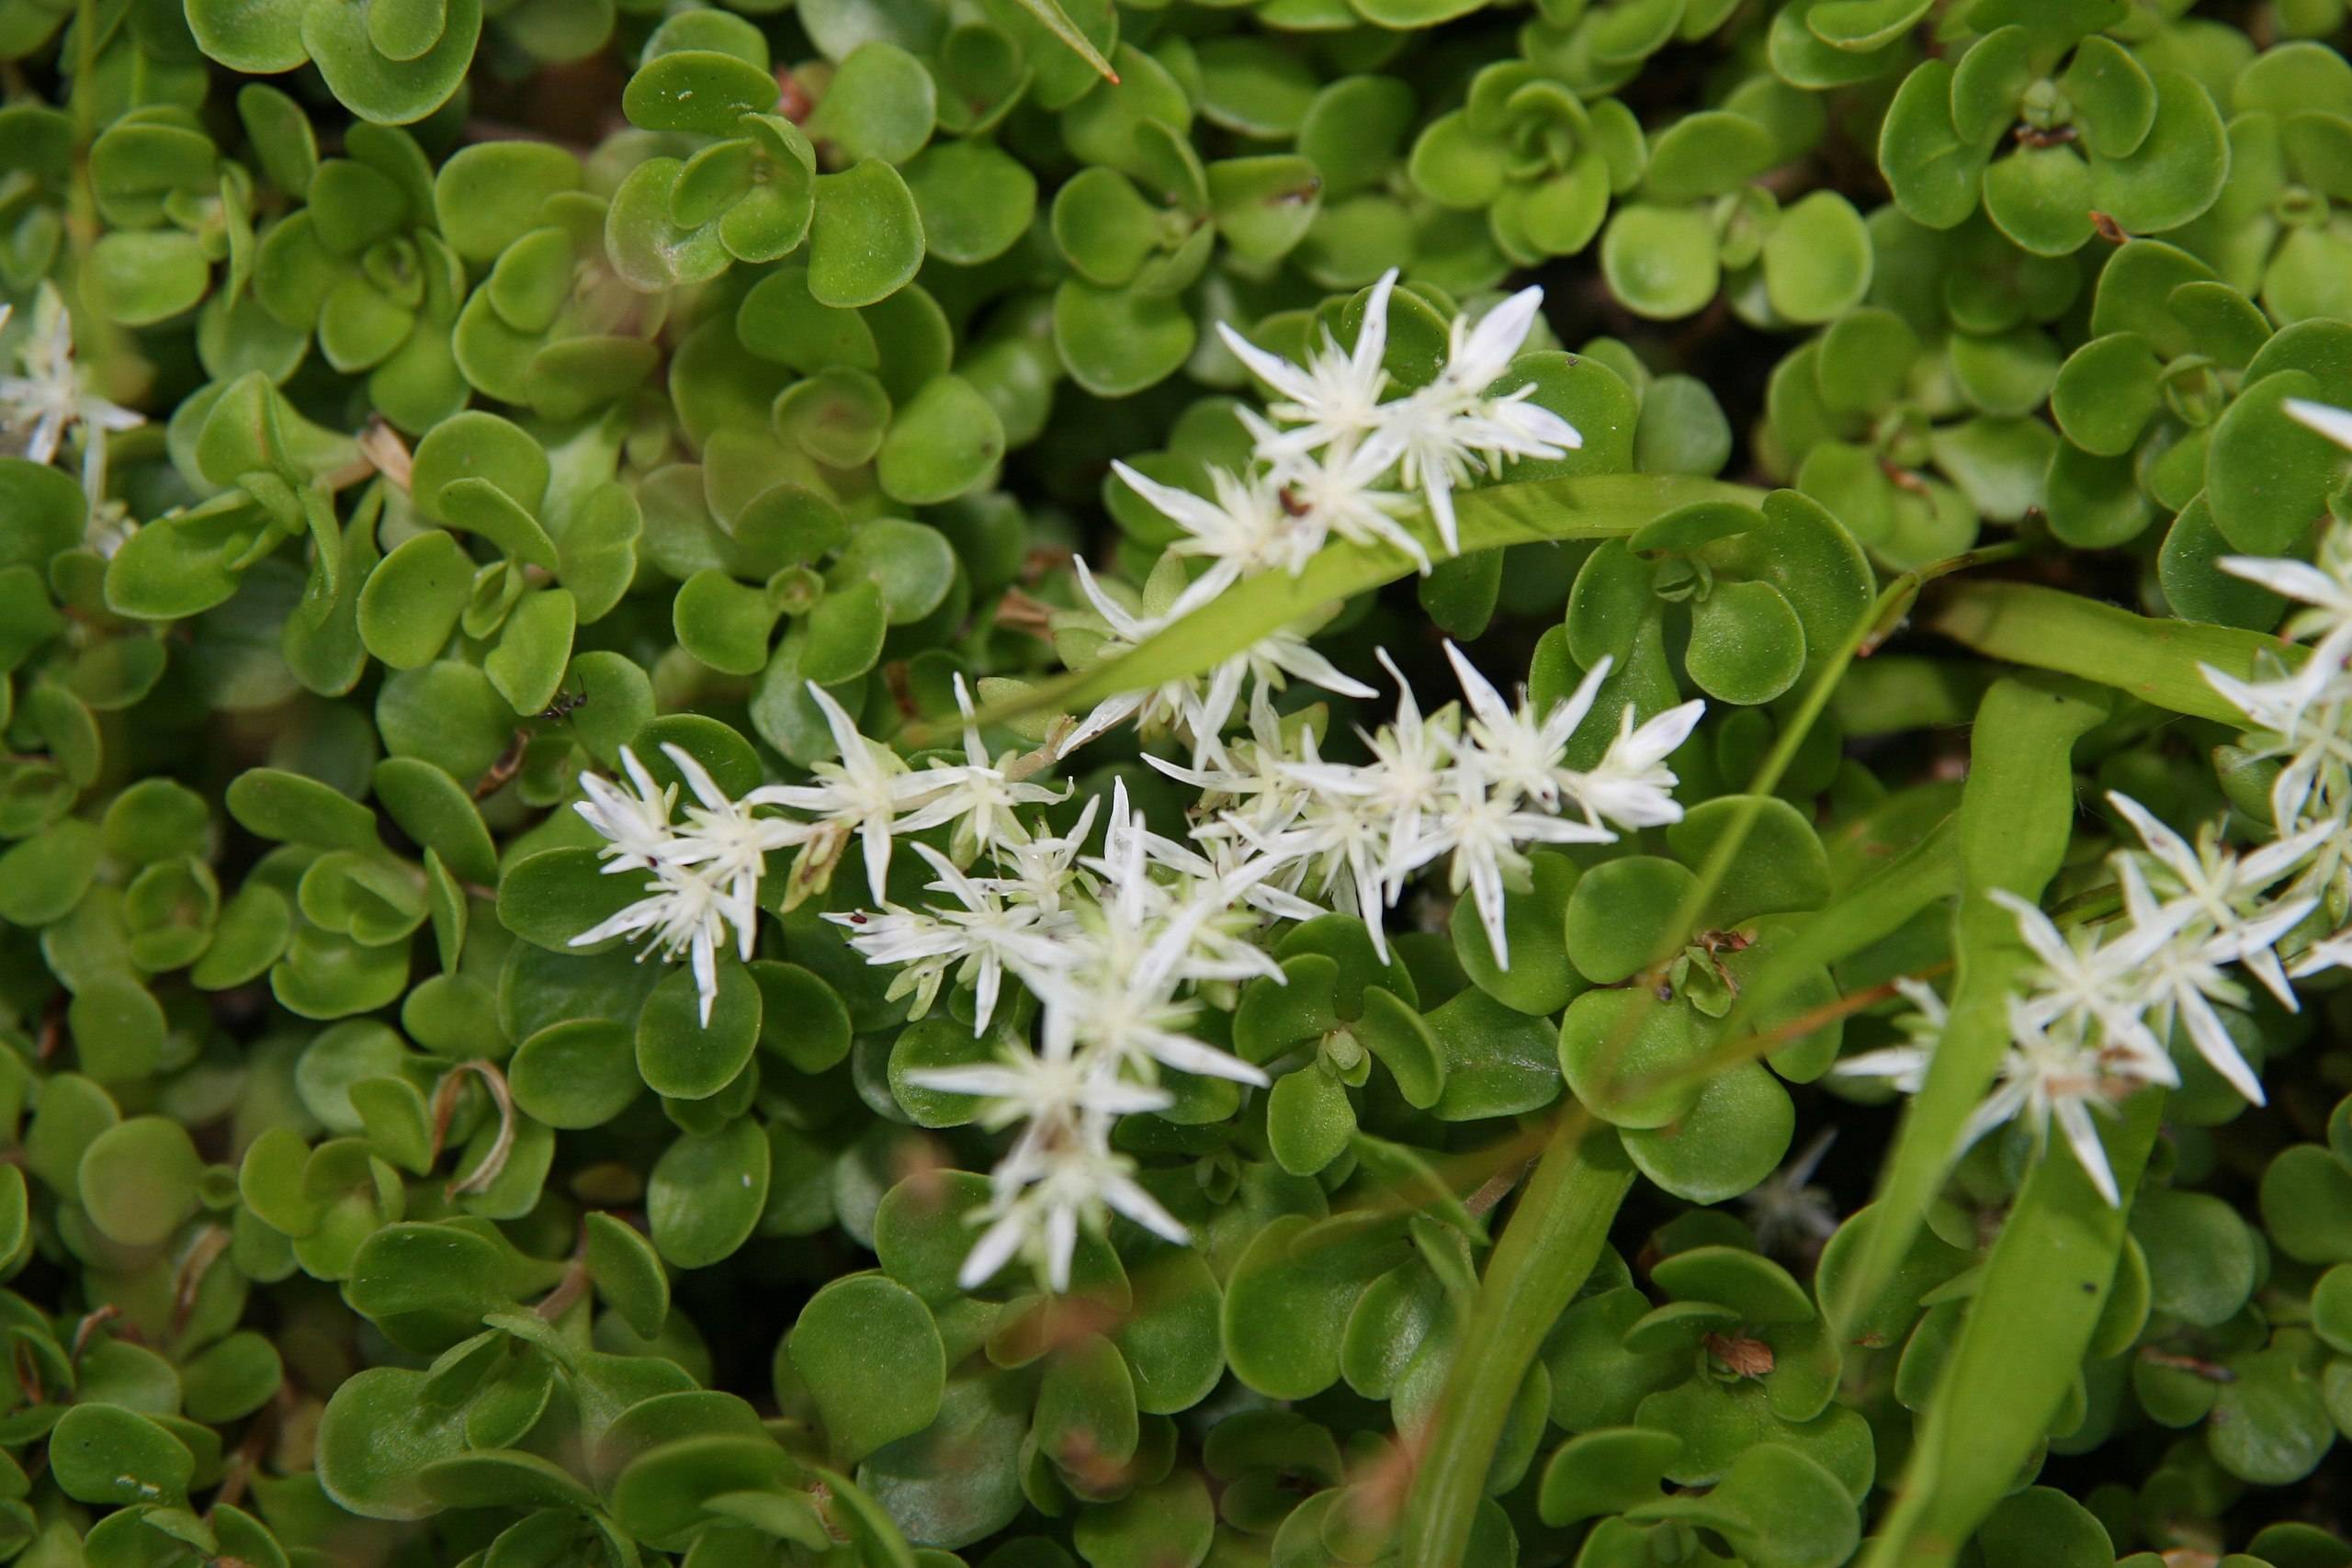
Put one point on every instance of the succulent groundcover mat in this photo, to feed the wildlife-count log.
(1175, 783)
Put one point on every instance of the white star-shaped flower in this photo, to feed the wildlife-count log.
(1519, 750)
(1022, 1084)
(2046, 1078)
(1903, 1066)
(1336, 394)
(53, 395)
(980, 796)
(1243, 530)
(1631, 785)
(706, 870)
(870, 791)
(1456, 428)
(1061, 1177)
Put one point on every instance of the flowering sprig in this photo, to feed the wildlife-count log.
(1122, 950)
(1475, 786)
(1332, 456)
(1112, 953)
(704, 871)
(1334, 441)
(2101, 1005)
(1117, 951)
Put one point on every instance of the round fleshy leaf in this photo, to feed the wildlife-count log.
(2041, 197)
(866, 239)
(2270, 1424)
(146, 276)
(1540, 979)
(489, 195)
(2307, 1206)
(1661, 262)
(1169, 1524)
(2173, 1227)
(2188, 567)
(139, 1180)
(1747, 644)
(650, 249)
(724, 622)
(1775, 1507)
(1263, 206)
(2177, 168)
(683, 1053)
(700, 91)
(2095, 503)
(1289, 1294)
(1932, 172)
(945, 442)
(881, 103)
(1817, 259)
(848, 1328)
(106, 1454)
(1621, 916)
(1778, 866)
(411, 602)
(2266, 476)
(373, 85)
(579, 1073)
(258, 36)
(380, 1431)
(1117, 343)
(2106, 393)
(1308, 1120)
(626, 1272)
(1614, 1042)
(707, 1193)
(975, 200)
(1705, 155)
(1733, 1136)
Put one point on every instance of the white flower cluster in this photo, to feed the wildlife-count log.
(1114, 948)
(1475, 787)
(53, 396)
(704, 871)
(2101, 1006)
(1337, 461)
(2302, 718)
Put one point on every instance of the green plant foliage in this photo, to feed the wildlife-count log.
(870, 784)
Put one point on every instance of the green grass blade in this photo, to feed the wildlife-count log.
(2044, 1288)
(2015, 815)
(2156, 661)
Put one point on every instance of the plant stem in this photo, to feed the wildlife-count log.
(1555, 1236)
